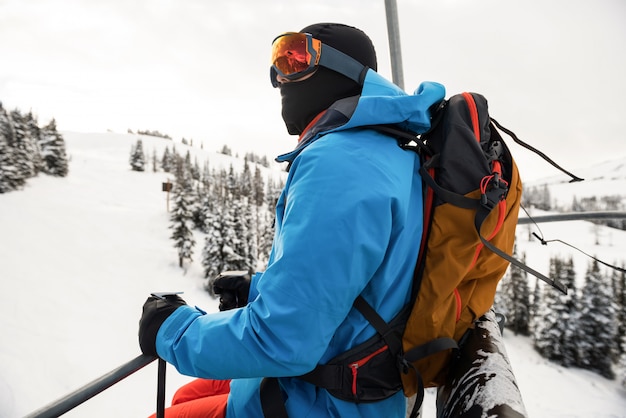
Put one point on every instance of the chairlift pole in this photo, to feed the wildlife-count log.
(393, 32)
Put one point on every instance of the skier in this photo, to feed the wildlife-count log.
(346, 225)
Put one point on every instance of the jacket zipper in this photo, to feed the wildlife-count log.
(355, 366)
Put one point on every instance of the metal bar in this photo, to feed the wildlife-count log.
(481, 381)
(393, 32)
(572, 216)
(72, 400)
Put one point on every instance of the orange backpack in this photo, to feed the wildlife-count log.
(472, 198)
(473, 193)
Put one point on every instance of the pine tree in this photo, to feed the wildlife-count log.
(231, 234)
(24, 146)
(246, 180)
(596, 325)
(183, 215)
(166, 160)
(534, 305)
(619, 285)
(267, 219)
(212, 258)
(258, 195)
(181, 225)
(155, 166)
(552, 334)
(240, 249)
(519, 317)
(10, 176)
(137, 157)
(195, 170)
(621, 366)
(570, 313)
(53, 151)
(34, 132)
(252, 235)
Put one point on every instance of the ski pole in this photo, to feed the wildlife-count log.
(160, 411)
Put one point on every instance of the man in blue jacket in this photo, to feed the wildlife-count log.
(348, 223)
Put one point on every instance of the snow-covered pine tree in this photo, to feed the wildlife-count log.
(570, 314)
(241, 234)
(252, 236)
(195, 170)
(10, 176)
(34, 132)
(516, 297)
(155, 165)
(166, 160)
(192, 189)
(137, 157)
(232, 231)
(552, 336)
(212, 258)
(53, 151)
(182, 215)
(545, 340)
(24, 146)
(596, 324)
(268, 218)
(258, 194)
(534, 305)
(621, 365)
(245, 180)
(182, 225)
(619, 286)
(231, 184)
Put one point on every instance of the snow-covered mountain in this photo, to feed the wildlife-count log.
(601, 180)
(80, 254)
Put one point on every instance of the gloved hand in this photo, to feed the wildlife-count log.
(155, 312)
(233, 288)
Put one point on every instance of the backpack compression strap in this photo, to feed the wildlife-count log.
(272, 401)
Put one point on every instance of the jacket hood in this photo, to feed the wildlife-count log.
(380, 103)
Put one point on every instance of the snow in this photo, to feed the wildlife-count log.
(80, 254)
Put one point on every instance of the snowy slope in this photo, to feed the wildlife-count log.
(80, 254)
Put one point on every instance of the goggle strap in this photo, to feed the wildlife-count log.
(342, 63)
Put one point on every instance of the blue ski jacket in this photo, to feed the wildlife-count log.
(348, 223)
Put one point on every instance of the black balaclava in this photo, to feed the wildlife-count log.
(302, 101)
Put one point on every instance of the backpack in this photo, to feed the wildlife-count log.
(472, 194)
(472, 198)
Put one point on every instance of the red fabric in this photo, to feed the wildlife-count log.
(200, 398)
(313, 122)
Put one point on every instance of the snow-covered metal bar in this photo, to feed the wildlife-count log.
(481, 383)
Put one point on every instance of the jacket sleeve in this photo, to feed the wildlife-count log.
(334, 225)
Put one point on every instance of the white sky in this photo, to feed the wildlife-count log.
(552, 70)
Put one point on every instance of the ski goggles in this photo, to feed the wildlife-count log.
(295, 55)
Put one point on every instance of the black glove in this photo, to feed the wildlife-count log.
(233, 288)
(155, 312)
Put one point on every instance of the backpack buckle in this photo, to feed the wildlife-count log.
(493, 190)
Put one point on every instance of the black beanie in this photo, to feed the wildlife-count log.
(303, 100)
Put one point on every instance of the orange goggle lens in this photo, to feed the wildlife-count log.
(294, 53)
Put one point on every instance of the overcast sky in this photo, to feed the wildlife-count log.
(553, 70)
